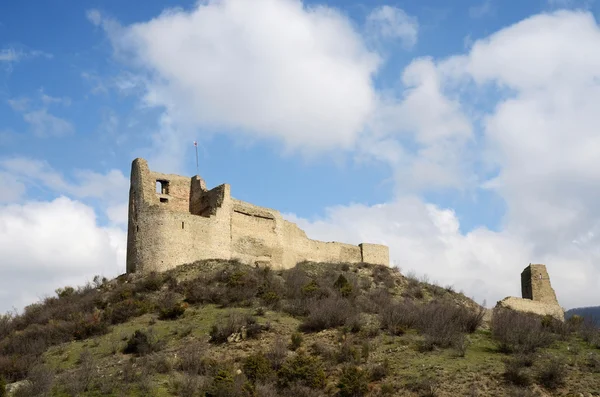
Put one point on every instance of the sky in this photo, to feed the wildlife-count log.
(463, 135)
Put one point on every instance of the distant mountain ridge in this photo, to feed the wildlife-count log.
(592, 312)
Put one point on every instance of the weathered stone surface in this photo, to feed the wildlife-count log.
(175, 220)
(530, 306)
(537, 292)
(535, 285)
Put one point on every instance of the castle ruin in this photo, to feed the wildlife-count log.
(537, 293)
(174, 220)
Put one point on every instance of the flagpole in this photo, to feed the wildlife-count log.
(197, 168)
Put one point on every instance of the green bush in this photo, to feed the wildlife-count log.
(150, 283)
(257, 368)
(304, 369)
(354, 382)
(296, 341)
(343, 286)
(141, 343)
(129, 308)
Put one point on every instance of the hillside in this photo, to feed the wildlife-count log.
(219, 328)
(593, 313)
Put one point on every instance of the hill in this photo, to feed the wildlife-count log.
(220, 328)
(593, 313)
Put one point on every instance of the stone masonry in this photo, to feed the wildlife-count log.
(537, 293)
(175, 220)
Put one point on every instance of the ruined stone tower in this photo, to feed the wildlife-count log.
(535, 285)
(538, 297)
(175, 220)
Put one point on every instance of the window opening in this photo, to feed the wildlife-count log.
(164, 200)
(182, 224)
(162, 187)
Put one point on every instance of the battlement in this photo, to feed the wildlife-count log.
(175, 220)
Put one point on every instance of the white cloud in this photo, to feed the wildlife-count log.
(12, 190)
(47, 245)
(110, 188)
(483, 264)
(268, 69)
(481, 10)
(45, 124)
(305, 80)
(42, 122)
(94, 16)
(389, 22)
(9, 55)
(15, 55)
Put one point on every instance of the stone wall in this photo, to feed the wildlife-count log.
(535, 285)
(184, 222)
(537, 293)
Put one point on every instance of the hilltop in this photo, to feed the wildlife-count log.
(221, 328)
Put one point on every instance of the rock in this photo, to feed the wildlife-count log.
(12, 388)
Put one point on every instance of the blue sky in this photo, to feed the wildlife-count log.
(456, 134)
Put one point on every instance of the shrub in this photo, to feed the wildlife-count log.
(593, 363)
(2, 387)
(90, 324)
(424, 387)
(188, 385)
(519, 332)
(193, 361)
(235, 323)
(590, 332)
(328, 313)
(141, 343)
(170, 308)
(379, 371)
(277, 353)
(224, 384)
(515, 373)
(122, 311)
(257, 368)
(41, 379)
(382, 274)
(296, 341)
(396, 318)
(552, 374)
(304, 369)
(354, 382)
(443, 323)
(348, 353)
(343, 286)
(150, 283)
(374, 301)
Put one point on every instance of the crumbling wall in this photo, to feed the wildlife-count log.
(535, 285)
(185, 222)
(538, 296)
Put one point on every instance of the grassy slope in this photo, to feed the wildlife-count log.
(479, 372)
